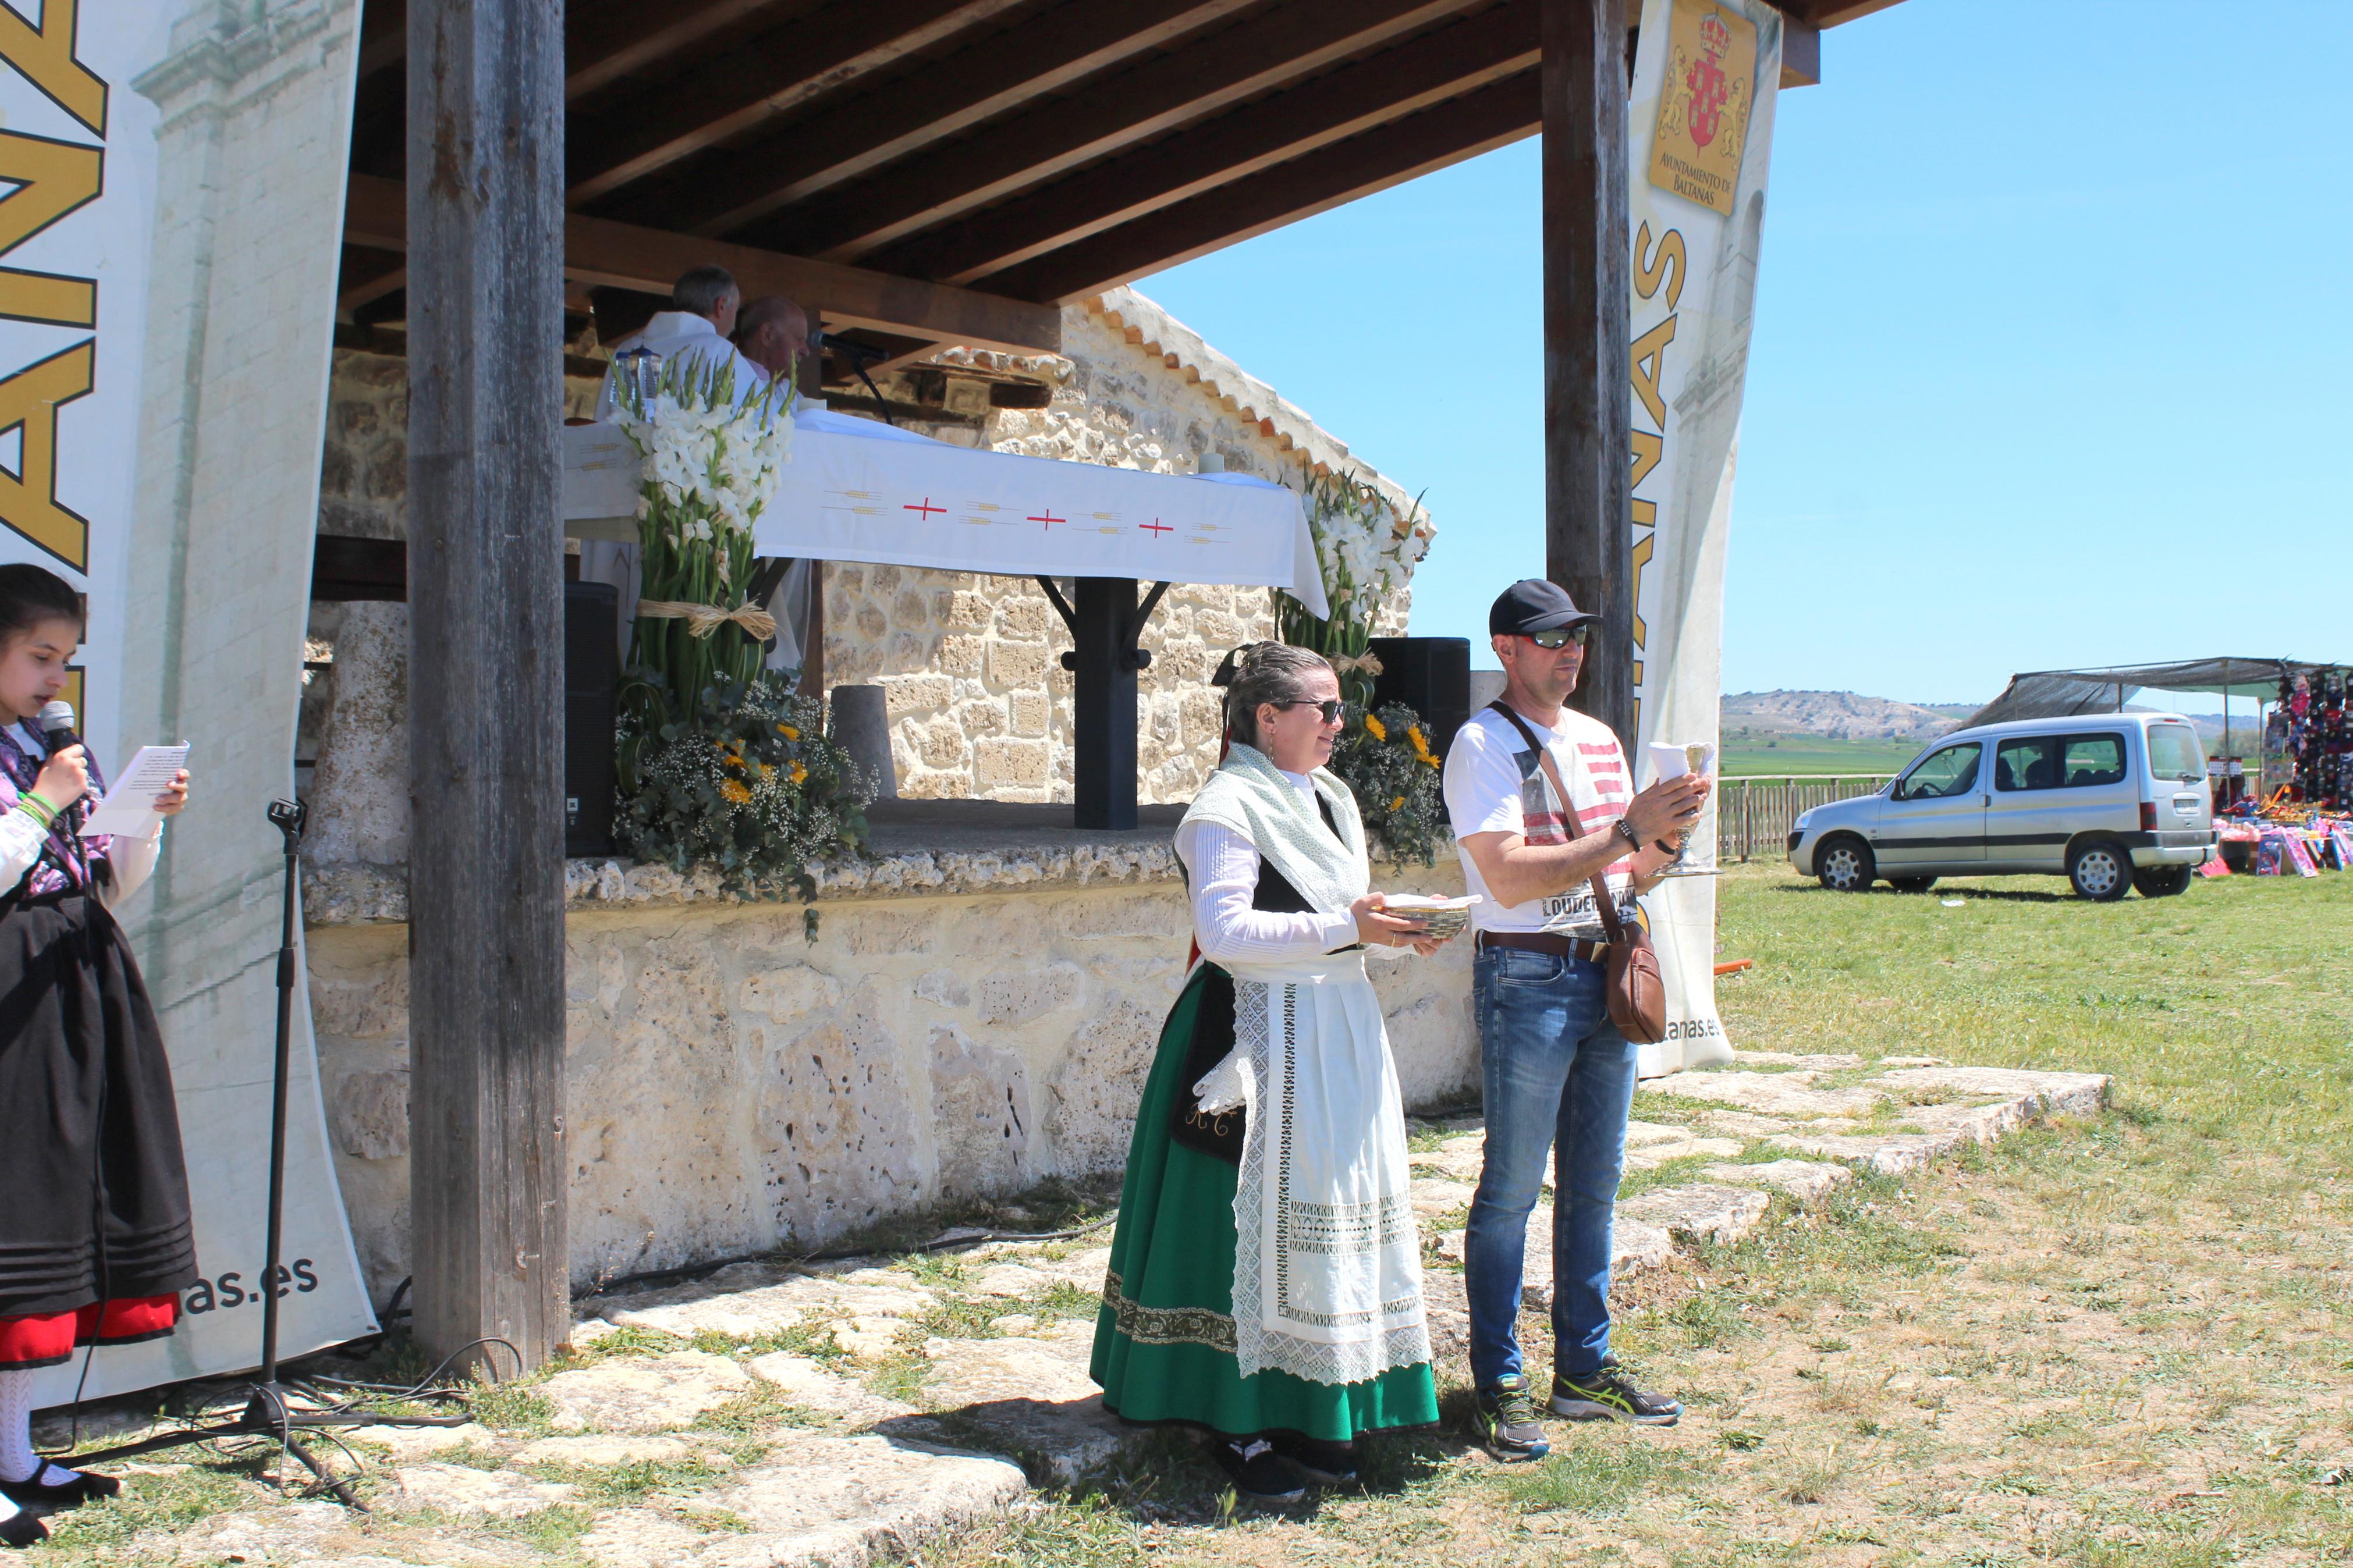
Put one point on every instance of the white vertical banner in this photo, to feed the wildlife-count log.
(180, 494)
(1699, 137)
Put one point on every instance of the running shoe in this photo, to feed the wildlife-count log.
(1504, 1421)
(1604, 1395)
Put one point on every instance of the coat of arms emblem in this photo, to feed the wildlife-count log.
(1703, 103)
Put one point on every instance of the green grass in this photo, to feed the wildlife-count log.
(2113, 1339)
(1761, 753)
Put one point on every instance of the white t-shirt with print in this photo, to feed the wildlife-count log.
(1494, 784)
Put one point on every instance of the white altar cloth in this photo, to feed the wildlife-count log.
(858, 490)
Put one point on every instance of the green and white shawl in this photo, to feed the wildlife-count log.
(1327, 1266)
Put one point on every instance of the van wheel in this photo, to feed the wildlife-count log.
(2161, 881)
(1910, 884)
(1844, 865)
(2100, 870)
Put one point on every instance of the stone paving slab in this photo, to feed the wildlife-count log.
(657, 1395)
(2064, 1093)
(1771, 1094)
(461, 1489)
(809, 1386)
(1717, 1213)
(841, 1502)
(1807, 1182)
(745, 1314)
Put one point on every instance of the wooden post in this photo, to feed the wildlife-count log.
(1588, 399)
(488, 1244)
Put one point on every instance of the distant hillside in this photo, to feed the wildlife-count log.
(1755, 719)
(1837, 715)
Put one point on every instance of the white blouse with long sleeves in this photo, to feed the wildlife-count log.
(22, 835)
(1222, 870)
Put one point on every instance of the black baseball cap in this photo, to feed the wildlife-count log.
(1532, 604)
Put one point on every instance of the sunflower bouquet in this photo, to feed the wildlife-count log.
(1385, 757)
(754, 791)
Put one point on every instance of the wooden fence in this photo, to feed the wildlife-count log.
(1755, 815)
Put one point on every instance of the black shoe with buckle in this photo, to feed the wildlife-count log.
(1326, 1464)
(1604, 1395)
(1257, 1472)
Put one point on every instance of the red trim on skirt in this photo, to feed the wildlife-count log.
(47, 1339)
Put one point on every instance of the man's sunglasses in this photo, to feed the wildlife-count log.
(1561, 637)
(1329, 707)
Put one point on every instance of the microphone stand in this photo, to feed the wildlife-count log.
(270, 1410)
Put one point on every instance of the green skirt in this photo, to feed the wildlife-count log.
(1164, 1340)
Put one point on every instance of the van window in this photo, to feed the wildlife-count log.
(2029, 761)
(2174, 753)
(2093, 760)
(2059, 762)
(1953, 770)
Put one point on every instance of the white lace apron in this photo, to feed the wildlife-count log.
(1327, 1269)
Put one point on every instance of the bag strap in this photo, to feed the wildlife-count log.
(1601, 899)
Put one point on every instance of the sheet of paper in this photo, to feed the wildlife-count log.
(129, 807)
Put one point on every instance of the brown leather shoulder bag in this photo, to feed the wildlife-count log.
(1637, 991)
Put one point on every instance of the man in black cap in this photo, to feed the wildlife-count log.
(1557, 1074)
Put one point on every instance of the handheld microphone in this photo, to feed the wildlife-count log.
(58, 725)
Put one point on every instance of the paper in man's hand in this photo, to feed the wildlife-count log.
(129, 808)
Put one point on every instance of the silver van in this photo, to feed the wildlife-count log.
(2111, 802)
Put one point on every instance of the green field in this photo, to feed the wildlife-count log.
(1756, 753)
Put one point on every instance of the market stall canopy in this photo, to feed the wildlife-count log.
(2048, 693)
(860, 490)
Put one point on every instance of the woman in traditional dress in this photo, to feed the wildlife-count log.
(1265, 1279)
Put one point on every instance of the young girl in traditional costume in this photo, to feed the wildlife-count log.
(1265, 1279)
(95, 1243)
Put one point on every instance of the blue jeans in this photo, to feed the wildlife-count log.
(1558, 1074)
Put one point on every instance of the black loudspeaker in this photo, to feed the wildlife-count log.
(1429, 675)
(592, 675)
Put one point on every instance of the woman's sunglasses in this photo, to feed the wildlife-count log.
(1561, 637)
(1329, 707)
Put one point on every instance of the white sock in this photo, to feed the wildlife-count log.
(18, 1462)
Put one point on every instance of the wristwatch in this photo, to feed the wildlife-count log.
(1632, 838)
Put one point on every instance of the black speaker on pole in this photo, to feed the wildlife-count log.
(592, 673)
(1429, 675)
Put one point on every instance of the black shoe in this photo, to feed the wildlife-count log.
(1256, 1470)
(83, 1488)
(1326, 1464)
(1603, 1395)
(21, 1529)
(1505, 1421)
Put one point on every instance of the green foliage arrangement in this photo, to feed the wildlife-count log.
(1385, 757)
(751, 788)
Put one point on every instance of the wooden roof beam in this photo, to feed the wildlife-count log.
(599, 252)
(944, 99)
(600, 46)
(1447, 63)
(1200, 77)
(1458, 129)
(730, 91)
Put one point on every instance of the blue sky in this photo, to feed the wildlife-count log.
(2050, 366)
